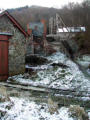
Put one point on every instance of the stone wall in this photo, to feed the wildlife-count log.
(29, 46)
(17, 46)
(35, 46)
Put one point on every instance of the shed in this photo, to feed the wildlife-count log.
(16, 47)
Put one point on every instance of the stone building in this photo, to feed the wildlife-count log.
(17, 43)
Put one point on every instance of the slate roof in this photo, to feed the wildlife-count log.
(14, 21)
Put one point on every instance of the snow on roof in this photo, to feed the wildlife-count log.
(62, 30)
(71, 29)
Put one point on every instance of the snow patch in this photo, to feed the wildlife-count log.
(29, 110)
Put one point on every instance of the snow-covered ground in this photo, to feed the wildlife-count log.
(23, 109)
(57, 77)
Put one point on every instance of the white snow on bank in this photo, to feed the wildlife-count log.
(29, 110)
(54, 77)
(58, 77)
(58, 57)
(76, 77)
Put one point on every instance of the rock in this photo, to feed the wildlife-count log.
(2, 113)
(59, 64)
(26, 75)
(9, 105)
(29, 72)
(42, 107)
(35, 60)
(78, 112)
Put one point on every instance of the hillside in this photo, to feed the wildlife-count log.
(73, 14)
(34, 13)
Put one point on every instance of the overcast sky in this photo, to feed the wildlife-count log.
(47, 3)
